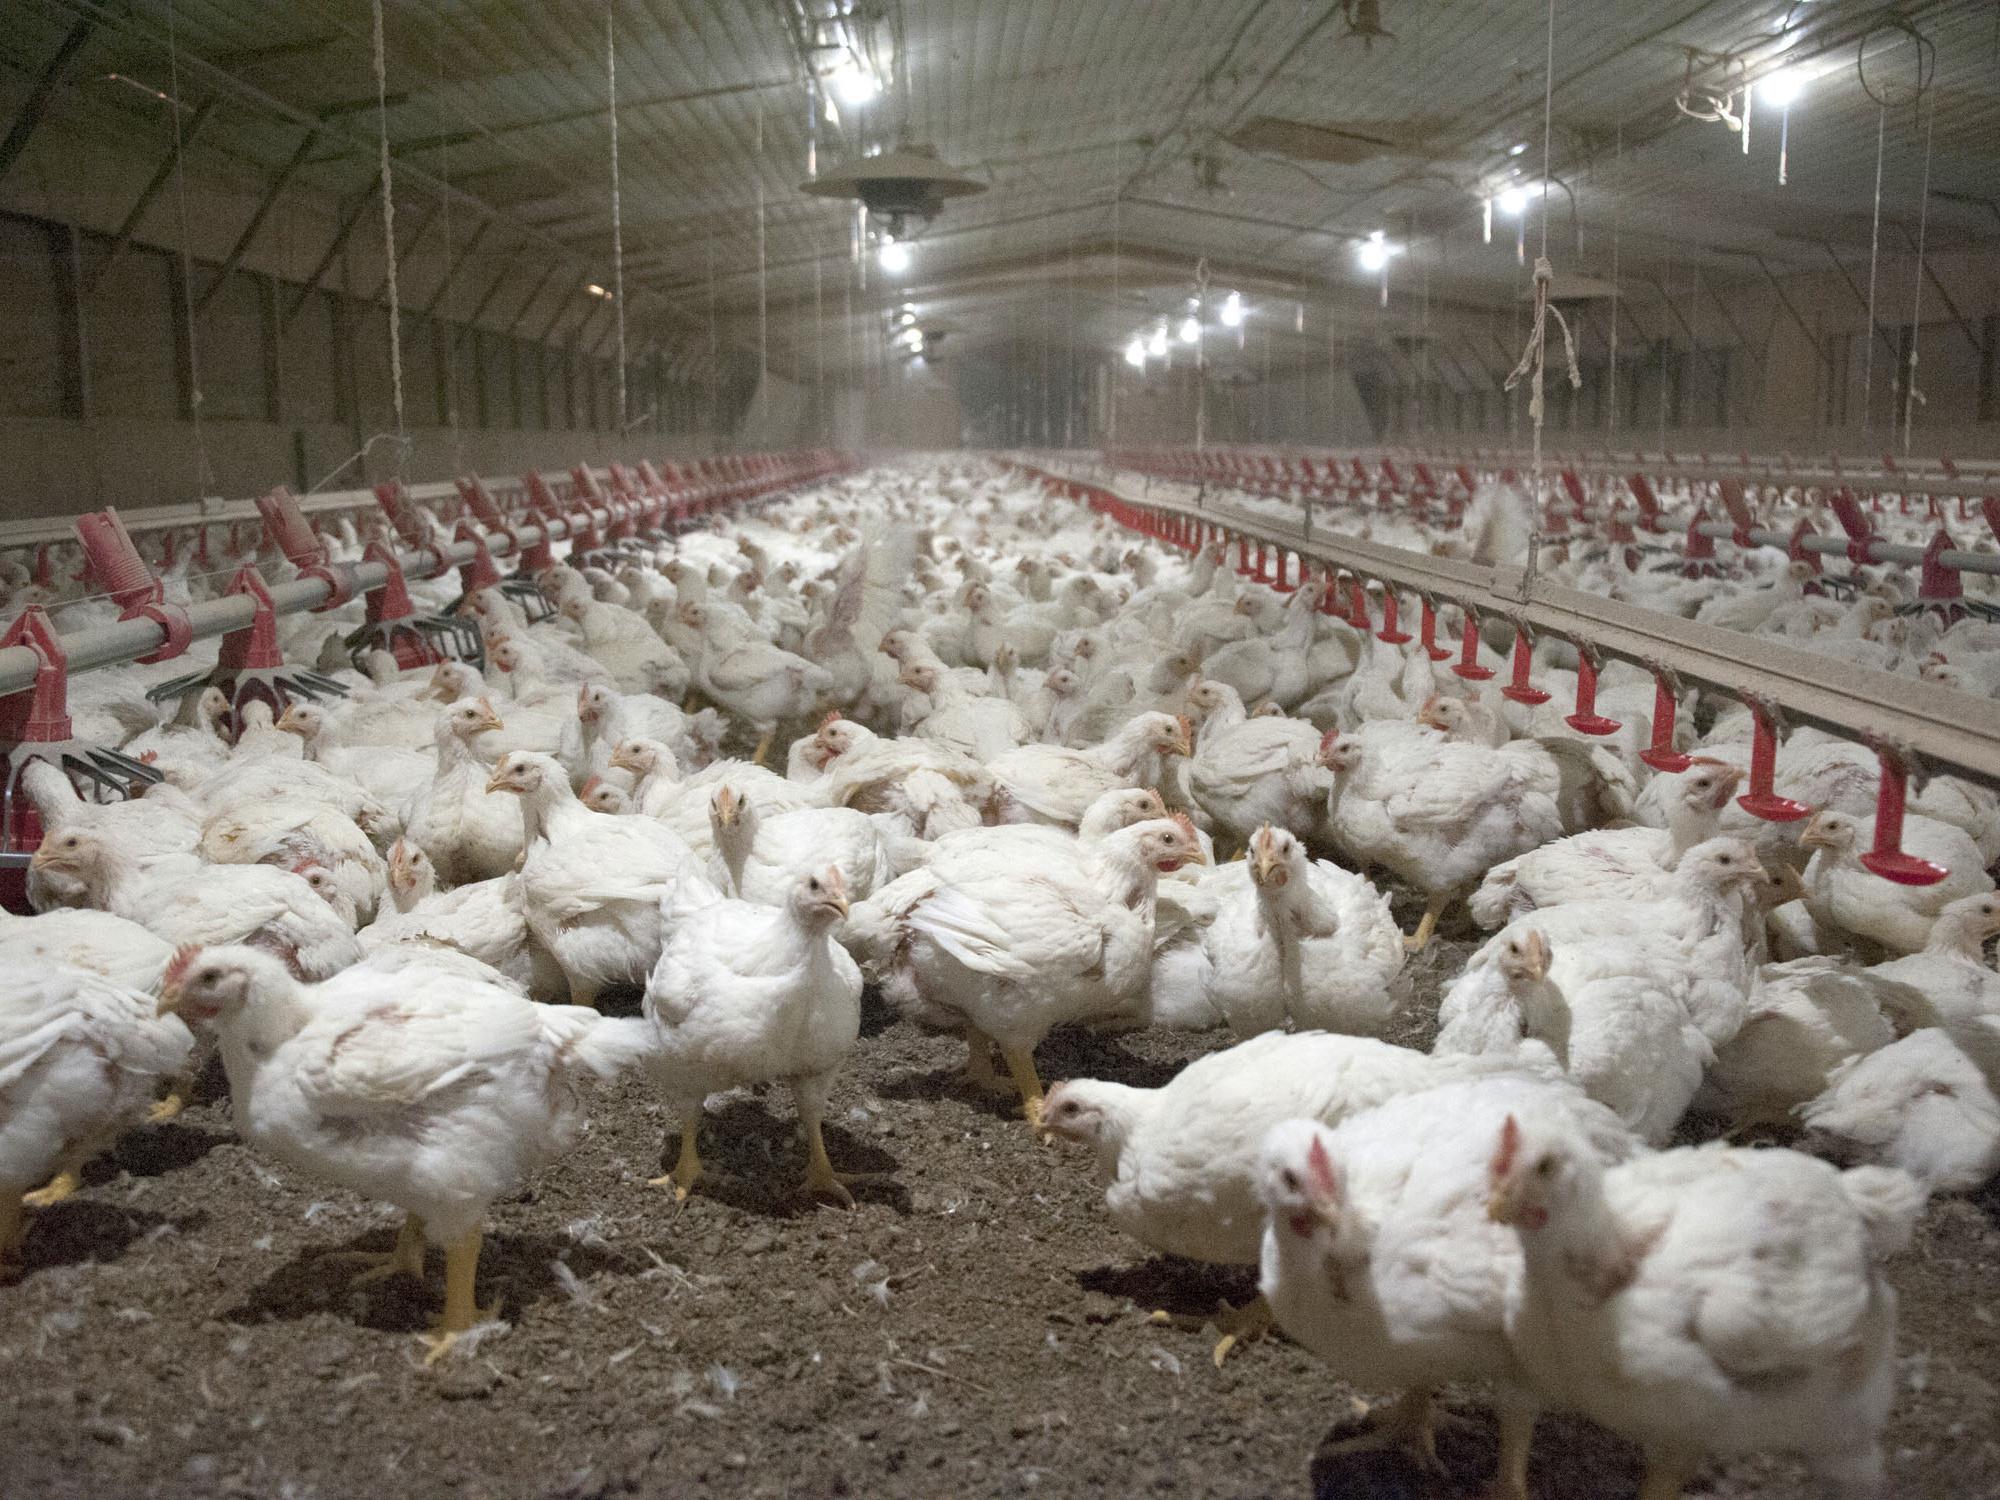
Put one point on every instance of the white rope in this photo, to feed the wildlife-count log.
(449, 345)
(389, 243)
(1874, 256)
(1912, 397)
(1535, 355)
(204, 474)
(617, 222)
(1617, 293)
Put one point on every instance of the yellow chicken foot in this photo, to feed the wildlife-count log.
(1237, 1325)
(822, 1181)
(1021, 1066)
(763, 747)
(406, 1259)
(1410, 1424)
(60, 1186)
(687, 1170)
(167, 1106)
(1419, 940)
(461, 1310)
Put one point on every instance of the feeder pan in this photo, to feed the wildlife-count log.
(415, 640)
(251, 665)
(897, 186)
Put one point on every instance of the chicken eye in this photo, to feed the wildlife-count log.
(1546, 1167)
(1290, 1179)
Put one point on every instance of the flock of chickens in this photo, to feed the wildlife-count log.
(1041, 774)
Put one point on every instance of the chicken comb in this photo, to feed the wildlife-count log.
(832, 717)
(1326, 740)
(1325, 1182)
(178, 966)
(1186, 824)
(1510, 1147)
(590, 786)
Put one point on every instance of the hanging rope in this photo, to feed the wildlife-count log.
(450, 345)
(1912, 397)
(617, 222)
(204, 475)
(389, 243)
(1535, 355)
(1874, 258)
(1617, 291)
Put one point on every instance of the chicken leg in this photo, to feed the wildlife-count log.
(1419, 940)
(1517, 1432)
(687, 1170)
(406, 1259)
(1237, 1325)
(461, 1309)
(821, 1180)
(1410, 1424)
(167, 1105)
(979, 1070)
(1021, 1065)
(763, 747)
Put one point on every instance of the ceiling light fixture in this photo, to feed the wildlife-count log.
(1232, 311)
(895, 257)
(1511, 200)
(1190, 329)
(1373, 253)
(853, 84)
(1517, 148)
(1135, 353)
(1156, 346)
(596, 291)
(1782, 89)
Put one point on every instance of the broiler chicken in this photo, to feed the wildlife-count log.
(80, 1056)
(977, 946)
(1053, 784)
(746, 993)
(427, 1090)
(1247, 772)
(1841, 891)
(1709, 1300)
(468, 833)
(762, 859)
(1304, 944)
(1379, 1256)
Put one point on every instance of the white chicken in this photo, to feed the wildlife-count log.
(483, 919)
(744, 994)
(594, 888)
(80, 1056)
(1840, 890)
(1247, 772)
(762, 859)
(974, 945)
(1303, 944)
(1709, 1300)
(432, 1092)
(468, 833)
(1053, 784)
(1379, 1256)
(179, 898)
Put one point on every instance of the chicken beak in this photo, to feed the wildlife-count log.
(489, 717)
(1815, 836)
(43, 857)
(289, 721)
(499, 782)
(1264, 866)
(1727, 779)
(725, 808)
(621, 760)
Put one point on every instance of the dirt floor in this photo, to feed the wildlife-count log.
(184, 1328)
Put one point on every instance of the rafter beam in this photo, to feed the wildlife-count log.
(154, 185)
(339, 243)
(1694, 342)
(465, 253)
(446, 138)
(1944, 294)
(1860, 296)
(244, 240)
(36, 105)
(548, 274)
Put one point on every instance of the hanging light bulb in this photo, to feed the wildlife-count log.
(1782, 89)
(1232, 311)
(1190, 329)
(1156, 346)
(895, 257)
(1511, 200)
(853, 83)
(906, 317)
(1373, 253)
(1135, 353)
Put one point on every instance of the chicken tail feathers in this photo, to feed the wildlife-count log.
(1888, 1202)
(605, 1046)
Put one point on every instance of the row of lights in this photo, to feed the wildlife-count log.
(1154, 346)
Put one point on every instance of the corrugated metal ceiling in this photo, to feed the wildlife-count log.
(1255, 133)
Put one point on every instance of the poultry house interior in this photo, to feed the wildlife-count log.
(843, 747)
